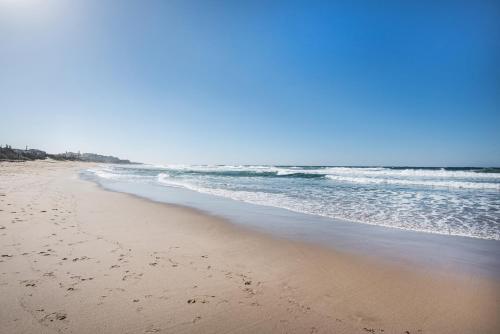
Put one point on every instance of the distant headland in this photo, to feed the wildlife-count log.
(8, 153)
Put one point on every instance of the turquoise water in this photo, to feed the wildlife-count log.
(454, 201)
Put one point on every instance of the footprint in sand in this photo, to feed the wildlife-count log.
(174, 264)
(29, 283)
(132, 275)
(54, 316)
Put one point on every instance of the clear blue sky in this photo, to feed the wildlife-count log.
(306, 82)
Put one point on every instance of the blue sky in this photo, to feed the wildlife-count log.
(254, 82)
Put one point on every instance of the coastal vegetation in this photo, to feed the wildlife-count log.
(8, 153)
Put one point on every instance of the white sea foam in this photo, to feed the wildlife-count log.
(103, 171)
(409, 182)
(112, 173)
(427, 173)
(167, 180)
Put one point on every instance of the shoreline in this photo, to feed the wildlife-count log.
(222, 277)
(459, 254)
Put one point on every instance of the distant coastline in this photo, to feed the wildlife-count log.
(8, 153)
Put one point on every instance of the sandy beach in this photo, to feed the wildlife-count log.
(79, 259)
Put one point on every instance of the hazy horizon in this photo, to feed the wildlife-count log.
(288, 83)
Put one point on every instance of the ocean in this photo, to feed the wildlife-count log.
(450, 201)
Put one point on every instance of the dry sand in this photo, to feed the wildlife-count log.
(79, 259)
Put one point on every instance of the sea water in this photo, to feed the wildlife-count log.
(451, 201)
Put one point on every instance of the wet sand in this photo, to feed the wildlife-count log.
(79, 259)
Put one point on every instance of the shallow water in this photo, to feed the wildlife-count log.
(464, 202)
